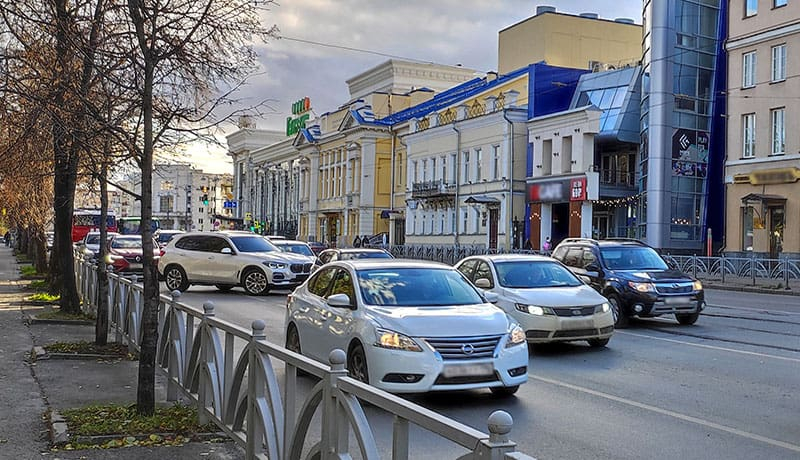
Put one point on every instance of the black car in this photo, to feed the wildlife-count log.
(634, 278)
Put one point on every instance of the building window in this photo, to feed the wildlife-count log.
(200, 210)
(749, 69)
(750, 8)
(453, 163)
(496, 161)
(165, 203)
(444, 172)
(747, 228)
(779, 62)
(465, 165)
(414, 172)
(465, 219)
(778, 131)
(478, 161)
(433, 169)
(424, 170)
(749, 135)
(779, 3)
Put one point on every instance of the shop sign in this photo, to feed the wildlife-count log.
(299, 116)
(555, 191)
(769, 176)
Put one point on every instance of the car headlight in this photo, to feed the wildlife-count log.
(395, 341)
(533, 309)
(271, 264)
(516, 336)
(642, 287)
(697, 285)
(602, 308)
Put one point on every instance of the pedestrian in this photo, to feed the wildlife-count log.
(546, 245)
(527, 245)
(365, 241)
(357, 242)
(7, 238)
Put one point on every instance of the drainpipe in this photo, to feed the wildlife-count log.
(391, 193)
(510, 215)
(458, 182)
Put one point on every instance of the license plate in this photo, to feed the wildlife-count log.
(677, 300)
(468, 370)
(578, 324)
(134, 266)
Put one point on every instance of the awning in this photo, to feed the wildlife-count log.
(387, 213)
(482, 199)
(762, 198)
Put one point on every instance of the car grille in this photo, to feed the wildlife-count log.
(464, 347)
(300, 268)
(301, 278)
(575, 333)
(674, 288)
(133, 259)
(570, 311)
(442, 380)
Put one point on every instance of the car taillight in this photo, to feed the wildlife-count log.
(161, 253)
(288, 301)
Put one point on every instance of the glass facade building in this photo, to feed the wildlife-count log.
(682, 129)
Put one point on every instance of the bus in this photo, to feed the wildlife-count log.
(86, 220)
(133, 225)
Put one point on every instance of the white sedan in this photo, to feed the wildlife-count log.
(544, 296)
(407, 327)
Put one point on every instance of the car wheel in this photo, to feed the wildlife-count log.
(175, 278)
(357, 363)
(620, 319)
(293, 344)
(504, 391)
(224, 287)
(687, 319)
(254, 281)
(597, 343)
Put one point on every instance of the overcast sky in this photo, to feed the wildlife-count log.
(440, 31)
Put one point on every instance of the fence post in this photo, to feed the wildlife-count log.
(172, 369)
(694, 266)
(499, 443)
(786, 273)
(753, 268)
(722, 266)
(255, 391)
(204, 393)
(332, 441)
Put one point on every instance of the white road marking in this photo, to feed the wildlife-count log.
(669, 413)
(710, 347)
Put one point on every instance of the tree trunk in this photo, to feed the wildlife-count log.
(101, 325)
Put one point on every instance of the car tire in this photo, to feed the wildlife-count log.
(254, 282)
(504, 391)
(620, 318)
(687, 319)
(293, 344)
(357, 363)
(175, 278)
(597, 343)
(224, 287)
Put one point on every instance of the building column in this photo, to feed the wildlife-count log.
(535, 226)
(586, 219)
(574, 219)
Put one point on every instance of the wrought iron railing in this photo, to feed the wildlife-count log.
(228, 372)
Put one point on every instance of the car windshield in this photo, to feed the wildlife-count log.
(92, 239)
(366, 255)
(632, 258)
(253, 243)
(126, 243)
(165, 237)
(295, 248)
(411, 287)
(525, 274)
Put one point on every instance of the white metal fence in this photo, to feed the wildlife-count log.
(240, 391)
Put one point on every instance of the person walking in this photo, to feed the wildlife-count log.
(357, 242)
(365, 241)
(7, 238)
(546, 246)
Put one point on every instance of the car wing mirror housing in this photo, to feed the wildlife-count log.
(491, 297)
(593, 269)
(341, 301)
(226, 251)
(483, 283)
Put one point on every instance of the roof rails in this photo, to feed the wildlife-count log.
(626, 240)
(580, 240)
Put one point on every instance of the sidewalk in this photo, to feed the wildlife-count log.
(29, 390)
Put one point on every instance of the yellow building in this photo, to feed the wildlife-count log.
(565, 40)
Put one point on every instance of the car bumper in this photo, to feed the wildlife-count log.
(651, 304)
(552, 328)
(391, 370)
(286, 278)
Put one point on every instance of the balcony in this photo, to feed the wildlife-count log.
(612, 178)
(432, 189)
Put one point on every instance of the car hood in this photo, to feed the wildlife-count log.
(656, 275)
(460, 320)
(280, 256)
(553, 297)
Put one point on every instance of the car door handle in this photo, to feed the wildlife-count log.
(211, 258)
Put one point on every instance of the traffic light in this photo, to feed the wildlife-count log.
(205, 199)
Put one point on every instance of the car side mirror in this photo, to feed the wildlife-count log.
(226, 251)
(593, 269)
(341, 301)
(491, 297)
(483, 283)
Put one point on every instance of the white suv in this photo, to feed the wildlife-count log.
(228, 259)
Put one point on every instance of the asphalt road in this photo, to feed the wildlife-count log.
(727, 387)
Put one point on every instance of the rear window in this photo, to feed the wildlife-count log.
(365, 255)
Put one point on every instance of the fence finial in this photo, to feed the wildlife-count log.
(337, 358)
(176, 294)
(258, 327)
(500, 423)
(208, 308)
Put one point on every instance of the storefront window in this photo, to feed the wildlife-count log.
(747, 228)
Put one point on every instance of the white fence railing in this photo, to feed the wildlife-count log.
(228, 372)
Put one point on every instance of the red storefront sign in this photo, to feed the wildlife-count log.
(555, 191)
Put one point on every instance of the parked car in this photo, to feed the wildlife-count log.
(231, 258)
(634, 278)
(407, 327)
(49, 239)
(295, 246)
(332, 255)
(125, 254)
(163, 236)
(317, 247)
(89, 246)
(543, 296)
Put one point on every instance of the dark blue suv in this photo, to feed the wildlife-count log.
(634, 278)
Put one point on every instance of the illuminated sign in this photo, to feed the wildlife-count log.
(555, 191)
(768, 177)
(300, 114)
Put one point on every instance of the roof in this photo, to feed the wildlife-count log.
(513, 257)
(367, 264)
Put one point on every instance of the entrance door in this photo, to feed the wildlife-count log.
(399, 232)
(600, 226)
(560, 226)
(777, 223)
(494, 217)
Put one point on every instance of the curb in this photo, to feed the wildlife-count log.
(753, 289)
(39, 353)
(74, 322)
